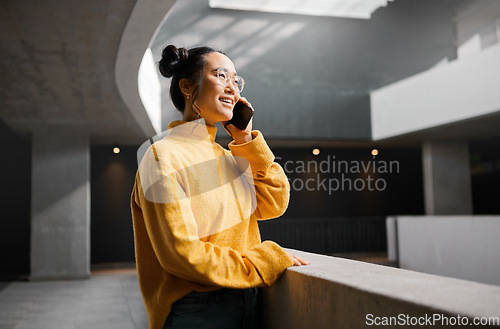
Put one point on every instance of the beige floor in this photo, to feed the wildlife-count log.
(109, 300)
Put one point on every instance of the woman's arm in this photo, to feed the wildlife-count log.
(271, 184)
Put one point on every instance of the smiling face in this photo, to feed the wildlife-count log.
(216, 99)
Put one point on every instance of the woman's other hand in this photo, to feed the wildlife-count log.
(298, 261)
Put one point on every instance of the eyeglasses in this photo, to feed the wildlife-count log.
(224, 78)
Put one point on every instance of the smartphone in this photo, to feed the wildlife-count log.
(242, 113)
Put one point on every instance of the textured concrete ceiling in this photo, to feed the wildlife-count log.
(57, 64)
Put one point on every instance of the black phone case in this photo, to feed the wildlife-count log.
(242, 114)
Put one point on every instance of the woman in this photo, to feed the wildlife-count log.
(195, 205)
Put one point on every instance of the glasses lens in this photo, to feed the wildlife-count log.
(224, 78)
(240, 82)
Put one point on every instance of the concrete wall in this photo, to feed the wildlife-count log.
(463, 247)
(150, 90)
(339, 293)
(447, 182)
(461, 90)
(60, 204)
(310, 77)
(478, 26)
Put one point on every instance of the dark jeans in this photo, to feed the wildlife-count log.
(220, 309)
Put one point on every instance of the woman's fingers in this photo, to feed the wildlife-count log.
(302, 261)
(244, 100)
(298, 261)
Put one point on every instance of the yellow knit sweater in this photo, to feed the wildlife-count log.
(195, 207)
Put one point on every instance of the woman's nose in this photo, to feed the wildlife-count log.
(231, 88)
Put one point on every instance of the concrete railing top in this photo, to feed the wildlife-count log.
(459, 246)
(374, 288)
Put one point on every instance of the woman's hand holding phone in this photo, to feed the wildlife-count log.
(242, 114)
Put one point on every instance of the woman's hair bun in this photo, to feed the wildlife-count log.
(172, 59)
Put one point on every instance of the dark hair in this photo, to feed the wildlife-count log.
(182, 63)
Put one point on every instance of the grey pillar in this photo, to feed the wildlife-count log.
(447, 185)
(60, 204)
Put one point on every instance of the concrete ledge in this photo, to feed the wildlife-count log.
(464, 247)
(340, 293)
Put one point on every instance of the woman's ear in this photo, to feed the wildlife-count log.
(185, 86)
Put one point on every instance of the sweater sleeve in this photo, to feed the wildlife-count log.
(271, 184)
(171, 228)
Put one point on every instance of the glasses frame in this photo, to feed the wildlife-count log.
(238, 83)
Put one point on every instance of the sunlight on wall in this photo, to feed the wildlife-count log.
(150, 89)
(268, 36)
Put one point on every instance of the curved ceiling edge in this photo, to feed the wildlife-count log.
(141, 28)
